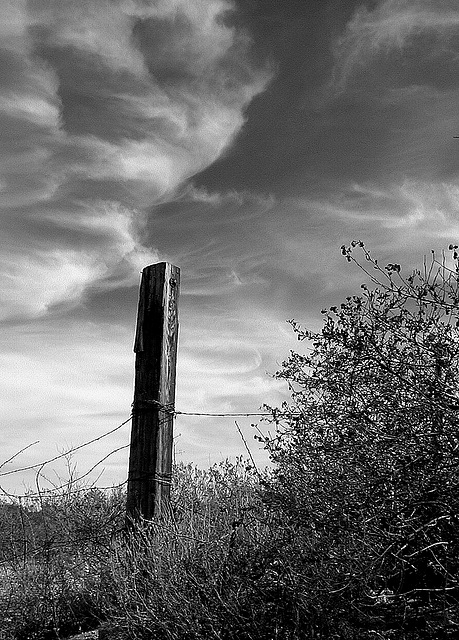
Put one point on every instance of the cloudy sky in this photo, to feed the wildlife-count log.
(242, 140)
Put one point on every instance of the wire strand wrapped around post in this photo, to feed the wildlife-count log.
(150, 459)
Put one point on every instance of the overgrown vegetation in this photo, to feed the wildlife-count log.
(353, 534)
(52, 552)
(367, 455)
(74, 565)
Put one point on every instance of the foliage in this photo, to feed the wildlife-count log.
(366, 455)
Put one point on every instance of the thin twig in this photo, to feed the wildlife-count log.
(247, 448)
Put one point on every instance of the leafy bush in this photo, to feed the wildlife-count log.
(367, 458)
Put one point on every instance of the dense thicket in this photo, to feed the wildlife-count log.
(367, 455)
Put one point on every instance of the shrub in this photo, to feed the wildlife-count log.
(366, 464)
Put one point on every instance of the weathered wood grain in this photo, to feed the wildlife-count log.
(150, 462)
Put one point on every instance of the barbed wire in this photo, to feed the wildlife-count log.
(138, 406)
(171, 410)
(72, 481)
(61, 455)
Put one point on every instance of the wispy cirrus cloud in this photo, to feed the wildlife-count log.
(106, 107)
(392, 25)
(96, 249)
(109, 112)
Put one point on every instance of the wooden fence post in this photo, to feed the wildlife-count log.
(150, 458)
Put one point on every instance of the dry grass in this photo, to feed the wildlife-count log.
(68, 566)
